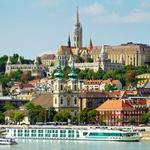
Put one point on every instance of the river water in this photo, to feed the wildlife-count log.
(76, 145)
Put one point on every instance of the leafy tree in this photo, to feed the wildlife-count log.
(36, 113)
(145, 118)
(90, 60)
(8, 106)
(79, 59)
(132, 121)
(50, 114)
(16, 116)
(2, 118)
(92, 116)
(130, 76)
(62, 116)
(83, 116)
(109, 87)
(66, 71)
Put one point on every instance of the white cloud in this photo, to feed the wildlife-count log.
(94, 9)
(101, 14)
(145, 3)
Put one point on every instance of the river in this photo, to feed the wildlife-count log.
(76, 145)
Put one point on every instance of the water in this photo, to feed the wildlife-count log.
(76, 145)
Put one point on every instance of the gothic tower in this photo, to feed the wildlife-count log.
(77, 32)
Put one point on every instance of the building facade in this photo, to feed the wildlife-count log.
(123, 112)
(65, 93)
(128, 54)
(35, 69)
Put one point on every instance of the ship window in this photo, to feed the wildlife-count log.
(85, 133)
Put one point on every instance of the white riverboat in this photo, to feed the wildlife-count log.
(7, 141)
(66, 133)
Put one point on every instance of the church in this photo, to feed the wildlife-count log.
(81, 56)
(65, 92)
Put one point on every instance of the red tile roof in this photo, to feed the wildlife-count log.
(115, 105)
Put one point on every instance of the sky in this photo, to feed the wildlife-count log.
(33, 27)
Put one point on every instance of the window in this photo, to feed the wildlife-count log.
(75, 101)
(61, 101)
(55, 100)
(61, 87)
(75, 87)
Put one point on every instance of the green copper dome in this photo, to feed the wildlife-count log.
(59, 73)
(73, 75)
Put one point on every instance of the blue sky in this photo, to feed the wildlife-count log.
(32, 27)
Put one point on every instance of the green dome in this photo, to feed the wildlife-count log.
(73, 75)
(59, 73)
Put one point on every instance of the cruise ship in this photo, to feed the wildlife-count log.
(66, 133)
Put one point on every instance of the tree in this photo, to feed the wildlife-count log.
(2, 118)
(79, 59)
(51, 113)
(8, 106)
(132, 121)
(145, 118)
(109, 87)
(130, 76)
(92, 115)
(36, 113)
(66, 71)
(62, 116)
(83, 116)
(16, 116)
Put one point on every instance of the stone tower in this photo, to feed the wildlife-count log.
(77, 32)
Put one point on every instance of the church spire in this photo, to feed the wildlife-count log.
(77, 32)
(90, 46)
(77, 17)
(69, 42)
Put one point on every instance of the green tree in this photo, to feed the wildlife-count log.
(132, 121)
(2, 118)
(36, 113)
(8, 106)
(130, 76)
(83, 116)
(92, 116)
(62, 116)
(16, 116)
(50, 114)
(109, 87)
(145, 118)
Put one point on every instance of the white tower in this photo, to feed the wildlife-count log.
(77, 32)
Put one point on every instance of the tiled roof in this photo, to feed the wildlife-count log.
(48, 56)
(115, 104)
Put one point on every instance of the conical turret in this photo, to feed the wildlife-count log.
(90, 46)
(8, 61)
(19, 60)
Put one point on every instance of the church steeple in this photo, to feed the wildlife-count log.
(77, 33)
(69, 42)
(90, 46)
(77, 17)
